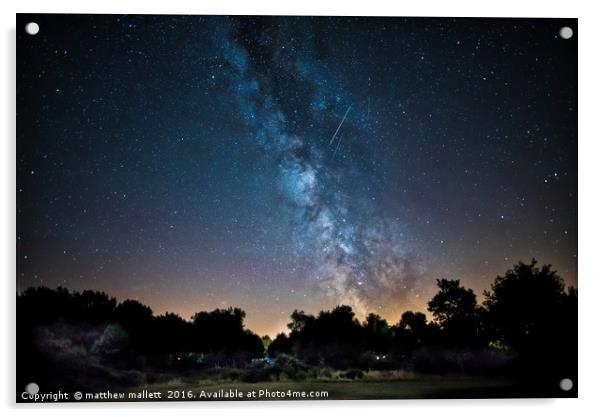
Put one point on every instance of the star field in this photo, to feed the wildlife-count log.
(274, 163)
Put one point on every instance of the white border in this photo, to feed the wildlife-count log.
(590, 275)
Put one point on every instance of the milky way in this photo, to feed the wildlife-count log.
(355, 263)
(275, 163)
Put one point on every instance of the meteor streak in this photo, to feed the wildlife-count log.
(340, 124)
(337, 148)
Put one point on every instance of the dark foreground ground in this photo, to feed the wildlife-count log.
(191, 389)
(355, 390)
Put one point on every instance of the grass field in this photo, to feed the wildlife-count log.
(432, 387)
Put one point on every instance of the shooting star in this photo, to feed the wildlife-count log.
(340, 124)
(337, 148)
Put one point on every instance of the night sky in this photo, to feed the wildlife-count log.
(274, 163)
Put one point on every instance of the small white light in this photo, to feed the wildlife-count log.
(566, 32)
(32, 28)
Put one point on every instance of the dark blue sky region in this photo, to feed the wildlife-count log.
(275, 163)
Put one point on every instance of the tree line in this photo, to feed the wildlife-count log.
(526, 324)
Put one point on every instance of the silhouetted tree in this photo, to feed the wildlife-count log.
(251, 346)
(266, 340)
(280, 344)
(172, 334)
(413, 332)
(42, 305)
(299, 320)
(455, 310)
(132, 313)
(378, 334)
(94, 307)
(222, 333)
(137, 320)
(530, 311)
(334, 337)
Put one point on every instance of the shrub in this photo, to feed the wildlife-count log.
(291, 367)
(353, 374)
